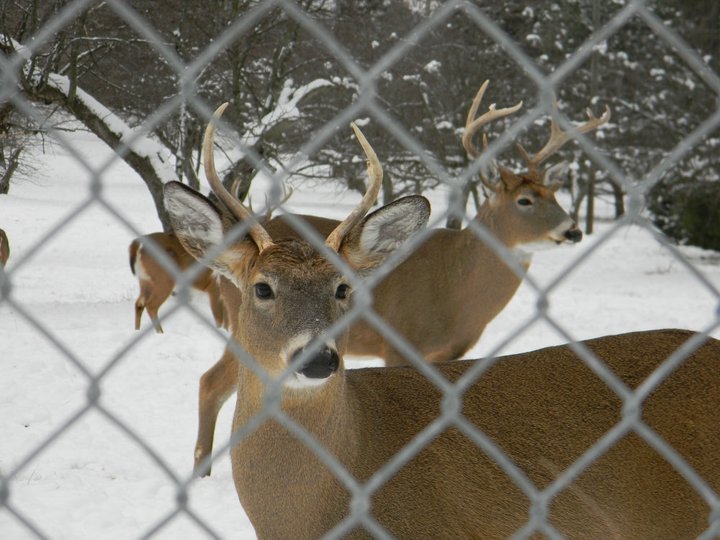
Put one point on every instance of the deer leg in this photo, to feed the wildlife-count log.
(153, 312)
(139, 308)
(216, 385)
(216, 306)
(158, 292)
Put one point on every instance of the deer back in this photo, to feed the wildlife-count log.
(154, 270)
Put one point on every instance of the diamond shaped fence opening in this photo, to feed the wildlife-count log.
(99, 417)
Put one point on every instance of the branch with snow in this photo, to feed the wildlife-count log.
(286, 108)
(134, 138)
(159, 157)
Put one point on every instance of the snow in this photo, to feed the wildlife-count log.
(433, 66)
(77, 471)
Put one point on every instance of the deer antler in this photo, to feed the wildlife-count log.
(259, 235)
(559, 137)
(472, 124)
(269, 208)
(375, 173)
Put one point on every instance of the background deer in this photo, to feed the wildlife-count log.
(156, 283)
(442, 296)
(4, 248)
(445, 293)
(544, 409)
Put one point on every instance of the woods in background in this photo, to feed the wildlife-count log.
(286, 85)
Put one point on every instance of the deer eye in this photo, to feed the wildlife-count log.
(263, 291)
(525, 201)
(342, 291)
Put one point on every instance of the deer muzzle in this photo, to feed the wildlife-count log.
(574, 234)
(320, 365)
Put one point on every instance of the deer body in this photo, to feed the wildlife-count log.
(445, 293)
(442, 330)
(544, 409)
(157, 284)
(4, 248)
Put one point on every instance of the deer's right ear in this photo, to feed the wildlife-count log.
(200, 227)
(384, 231)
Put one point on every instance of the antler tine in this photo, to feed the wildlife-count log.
(259, 235)
(472, 124)
(558, 137)
(270, 208)
(375, 174)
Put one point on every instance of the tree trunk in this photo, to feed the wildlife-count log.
(590, 215)
(619, 199)
(12, 165)
(387, 190)
(455, 219)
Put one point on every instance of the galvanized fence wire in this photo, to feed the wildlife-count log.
(360, 513)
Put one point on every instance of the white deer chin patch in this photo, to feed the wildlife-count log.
(298, 381)
(528, 249)
(553, 238)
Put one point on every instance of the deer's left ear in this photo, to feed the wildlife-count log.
(200, 227)
(556, 175)
(509, 180)
(384, 231)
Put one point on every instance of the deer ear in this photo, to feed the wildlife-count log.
(201, 227)
(509, 180)
(384, 231)
(555, 176)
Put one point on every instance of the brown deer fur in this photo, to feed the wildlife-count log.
(545, 409)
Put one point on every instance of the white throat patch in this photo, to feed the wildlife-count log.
(298, 381)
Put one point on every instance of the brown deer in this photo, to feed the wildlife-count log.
(157, 284)
(4, 248)
(544, 410)
(521, 210)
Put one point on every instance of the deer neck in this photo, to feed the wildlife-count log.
(326, 412)
(491, 217)
(277, 474)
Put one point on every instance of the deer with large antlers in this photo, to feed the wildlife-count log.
(157, 283)
(444, 294)
(4, 248)
(442, 297)
(543, 410)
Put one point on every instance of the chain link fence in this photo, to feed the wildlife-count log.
(25, 522)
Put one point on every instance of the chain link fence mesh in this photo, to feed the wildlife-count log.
(367, 103)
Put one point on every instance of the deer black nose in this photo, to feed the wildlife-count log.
(574, 234)
(321, 365)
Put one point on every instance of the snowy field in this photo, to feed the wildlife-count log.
(73, 298)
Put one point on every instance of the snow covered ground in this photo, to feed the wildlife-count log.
(78, 471)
